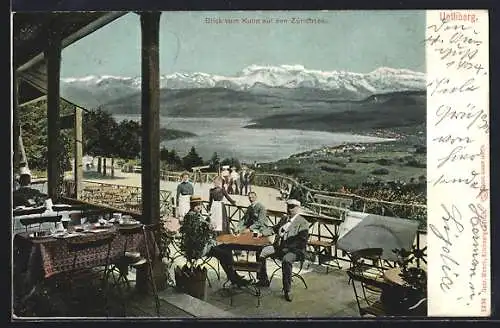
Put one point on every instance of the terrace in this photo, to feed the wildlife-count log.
(38, 41)
(328, 292)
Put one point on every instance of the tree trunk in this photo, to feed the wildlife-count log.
(112, 167)
(99, 164)
(104, 166)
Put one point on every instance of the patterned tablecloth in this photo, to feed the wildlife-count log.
(40, 258)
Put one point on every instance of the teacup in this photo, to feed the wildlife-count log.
(59, 226)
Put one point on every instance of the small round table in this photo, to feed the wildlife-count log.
(393, 276)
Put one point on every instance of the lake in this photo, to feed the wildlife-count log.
(229, 138)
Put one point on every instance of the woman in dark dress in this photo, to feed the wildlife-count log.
(218, 213)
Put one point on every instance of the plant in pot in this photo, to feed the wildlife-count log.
(409, 299)
(196, 237)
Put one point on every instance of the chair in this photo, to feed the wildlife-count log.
(251, 268)
(323, 249)
(128, 258)
(360, 266)
(206, 261)
(28, 222)
(151, 245)
(366, 306)
(77, 246)
(295, 274)
(359, 260)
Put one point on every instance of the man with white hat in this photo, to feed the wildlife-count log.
(25, 195)
(292, 232)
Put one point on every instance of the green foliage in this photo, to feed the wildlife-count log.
(289, 170)
(337, 170)
(365, 160)
(337, 162)
(214, 161)
(415, 163)
(380, 171)
(33, 120)
(170, 159)
(195, 234)
(384, 161)
(127, 138)
(99, 129)
(192, 159)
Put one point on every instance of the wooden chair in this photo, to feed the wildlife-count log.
(366, 306)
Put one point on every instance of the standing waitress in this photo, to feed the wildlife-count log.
(184, 192)
(218, 214)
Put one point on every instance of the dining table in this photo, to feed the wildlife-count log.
(40, 256)
(243, 241)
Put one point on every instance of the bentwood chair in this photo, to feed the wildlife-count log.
(79, 248)
(251, 268)
(360, 264)
(39, 220)
(296, 273)
(366, 306)
(147, 258)
(128, 258)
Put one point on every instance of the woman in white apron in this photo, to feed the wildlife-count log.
(185, 190)
(218, 214)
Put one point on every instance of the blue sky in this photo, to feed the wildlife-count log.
(357, 41)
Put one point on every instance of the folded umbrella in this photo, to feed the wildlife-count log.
(376, 231)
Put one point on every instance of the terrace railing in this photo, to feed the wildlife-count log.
(325, 229)
(326, 210)
(319, 201)
(124, 197)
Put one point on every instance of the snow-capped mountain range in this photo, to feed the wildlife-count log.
(356, 85)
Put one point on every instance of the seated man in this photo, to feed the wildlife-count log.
(220, 252)
(254, 220)
(25, 195)
(290, 243)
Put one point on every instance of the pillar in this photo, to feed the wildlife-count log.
(150, 116)
(78, 167)
(53, 60)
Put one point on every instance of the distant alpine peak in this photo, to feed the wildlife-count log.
(382, 79)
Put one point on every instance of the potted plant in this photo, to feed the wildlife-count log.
(409, 299)
(196, 237)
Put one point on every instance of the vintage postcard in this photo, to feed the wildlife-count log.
(262, 164)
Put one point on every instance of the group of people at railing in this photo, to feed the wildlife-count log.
(237, 183)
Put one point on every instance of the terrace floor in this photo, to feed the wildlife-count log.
(328, 296)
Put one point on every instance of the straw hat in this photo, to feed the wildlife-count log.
(195, 199)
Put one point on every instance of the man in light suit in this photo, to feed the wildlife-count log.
(290, 243)
(254, 221)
